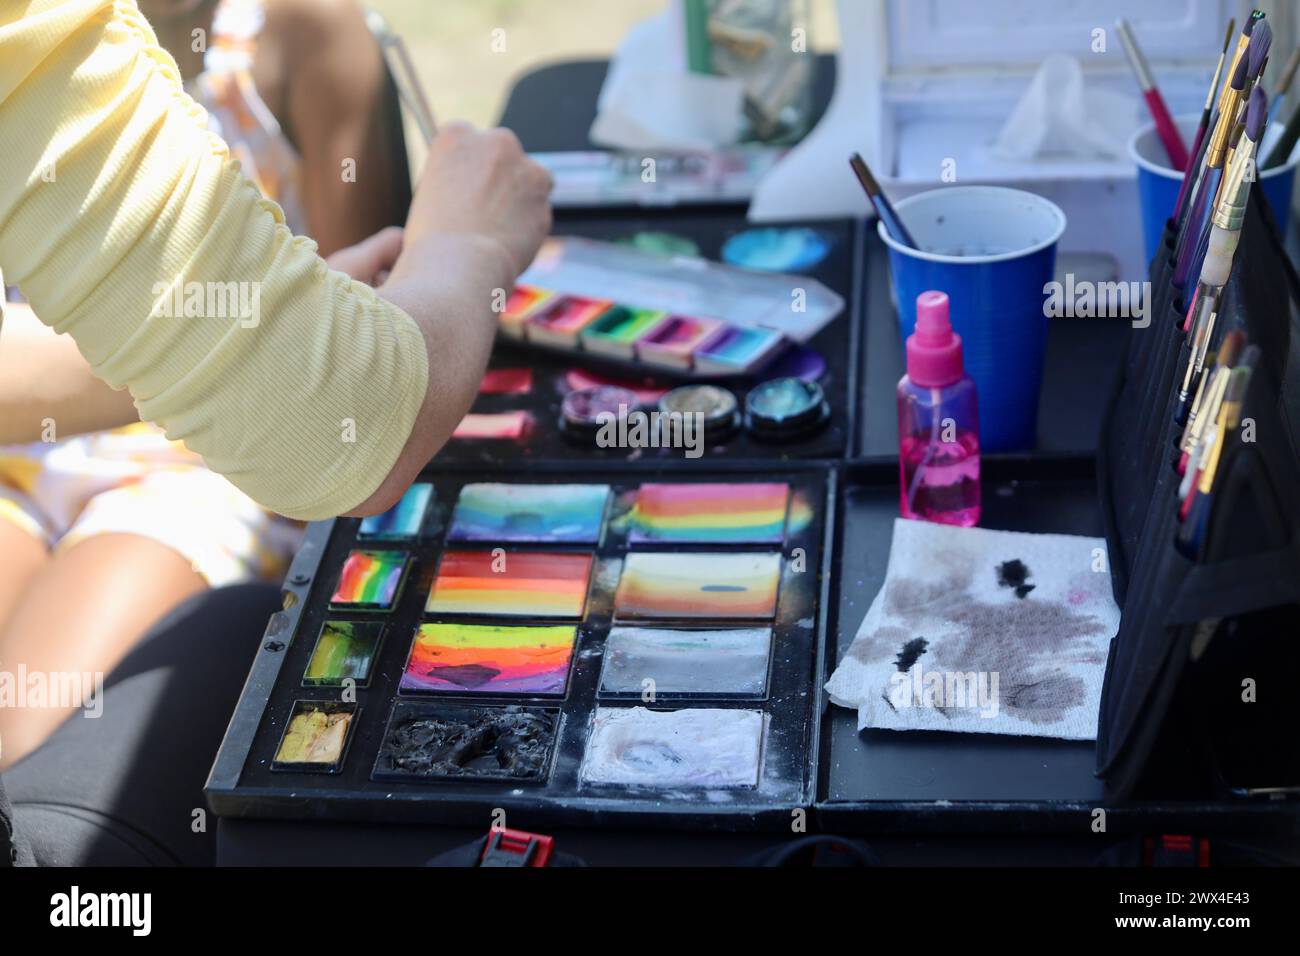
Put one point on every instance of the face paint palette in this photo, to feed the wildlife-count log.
(680, 313)
(724, 512)
(489, 659)
(511, 583)
(561, 322)
(686, 662)
(585, 648)
(496, 511)
(401, 521)
(619, 329)
(370, 581)
(344, 651)
(717, 341)
(315, 738)
(715, 586)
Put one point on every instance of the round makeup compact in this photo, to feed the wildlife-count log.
(718, 407)
(776, 250)
(785, 409)
(585, 410)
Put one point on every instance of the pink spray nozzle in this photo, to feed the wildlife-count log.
(933, 350)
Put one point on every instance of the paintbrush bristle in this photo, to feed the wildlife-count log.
(1238, 81)
(1256, 114)
(1257, 53)
(1227, 36)
(1255, 17)
(864, 174)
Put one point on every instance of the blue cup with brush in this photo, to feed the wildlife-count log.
(1158, 185)
(993, 251)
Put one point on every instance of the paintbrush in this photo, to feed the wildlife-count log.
(1206, 113)
(1208, 187)
(1208, 396)
(1239, 171)
(1197, 507)
(1225, 94)
(1165, 127)
(1193, 467)
(1234, 193)
(876, 196)
(1221, 243)
(407, 81)
(1256, 62)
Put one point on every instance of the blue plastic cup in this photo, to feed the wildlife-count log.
(993, 250)
(1158, 185)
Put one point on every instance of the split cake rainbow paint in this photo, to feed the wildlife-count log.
(490, 511)
(371, 580)
(737, 349)
(523, 303)
(403, 520)
(616, 332)
(511, 583)
(344, 651)
(713, 513)
(560, 323)
(489, 659)
(673, 342)
(702, 585)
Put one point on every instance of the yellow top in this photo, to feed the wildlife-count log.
(126, 224)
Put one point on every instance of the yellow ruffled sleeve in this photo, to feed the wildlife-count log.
(126, 224)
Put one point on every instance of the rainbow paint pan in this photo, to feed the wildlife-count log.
(616, 332)
(345, 650)
(489, 659)
(505, 583)
(523, 303)
(371, 581)
(403, 520)
(738, 350)
(490, 511)
(714, 513)
(710, 586)
(673, 342)
(560, 323)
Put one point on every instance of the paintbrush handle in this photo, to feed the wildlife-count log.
(1194, 228)
(1165, 128)
(1188, 173)
(893, 224)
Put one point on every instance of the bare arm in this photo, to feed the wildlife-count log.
(479, 214)
(333, 81)
(312, 393)
(45, 379)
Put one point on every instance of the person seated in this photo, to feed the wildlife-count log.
(105, 523)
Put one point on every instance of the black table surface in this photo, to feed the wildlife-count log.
(552, 108)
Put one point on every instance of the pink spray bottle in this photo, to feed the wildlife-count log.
(938, 423)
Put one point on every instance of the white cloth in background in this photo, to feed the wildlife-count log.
(982, 631)
(650, 101)
(1058, 117)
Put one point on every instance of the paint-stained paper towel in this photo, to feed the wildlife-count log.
(976, 631)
